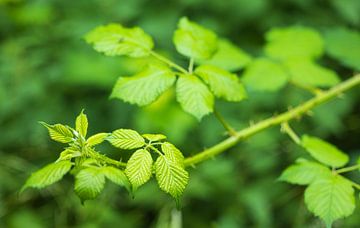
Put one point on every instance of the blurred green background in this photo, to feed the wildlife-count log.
(48, 73)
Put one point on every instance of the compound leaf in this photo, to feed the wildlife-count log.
(146, 86)
(89, 182)
(48, 175)
(294, 42)
(265, 75)
(126, 139)
(304, 172)
(194, 96)
(222, 83)
(114, 39)
(97, 139)
(59, 132)
(117, 176)
(138, 168)
(324, 152)
(330, 198)
(154, 137)
(193, 40)
(81, 124)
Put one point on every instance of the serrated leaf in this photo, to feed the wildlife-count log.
(117, 176)
(265, 75)
(228, 57)
(89, 182)
(194, 96)
(324, 152)
(81, 124)
(172, 153)
(294, 42)
(171, 176)
(330, 198)
(114, 39)
(69, 153)
(138, 168)
(48, 175)
(193, 40)
(304, 172)
(344, 44)
(126, 139)
(222, 83)
(308, 73)
(146, 86)
(154, 137)
(97, 139)
(59, 132)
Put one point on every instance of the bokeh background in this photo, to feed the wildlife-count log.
(48, 73)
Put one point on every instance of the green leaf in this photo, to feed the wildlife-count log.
(330, 198)
(344, 44)
(114, 39)
(193, 96)
(146, 86)
(294, 42)
(154, 137)
(228, 57)
(308, 73)
(194, 41)
(138, 168)
(172, 153)
(89, 182)
(304, 172)
(59, 132)
(97, 139)
(81, 124)
(222, 83)
(265, 75)
(69, 153)
(48, 175)
(126, 139)
(117, 176)
(324, 151)
(171, 176)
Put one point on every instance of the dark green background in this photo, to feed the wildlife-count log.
(48, 73)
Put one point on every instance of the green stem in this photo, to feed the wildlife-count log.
(168, 62)
(272, 121)
(191, 66)
(310, 89)
(227, 126)
(356, 185)
(288, 130)
(107, 159)
(348, 169)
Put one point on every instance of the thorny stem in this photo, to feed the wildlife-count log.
(227, 126)
(285, 127)
(272, 121)
(348, 169)
(168, 62)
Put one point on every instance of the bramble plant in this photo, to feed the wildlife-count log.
(290, 56)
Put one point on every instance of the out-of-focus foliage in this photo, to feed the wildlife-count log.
(47, 72)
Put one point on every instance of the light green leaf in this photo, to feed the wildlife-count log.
(154, 137)
(265, 75)
(48, 175)
(344, 44)
(59, 132)
(114, 39)
(304, 172)
(194, 41)
(69, 153)
(97, 139)
(126, 139)
(89, 182)
(138, 168)
(81, 124)
(308, 73)
(330, 198)
(228, 57)
(171, 176)
(172, 153)
(222, 83)
(324, 151)
(194, 96)
(146, 86)
(117, 176)
(294, 42)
